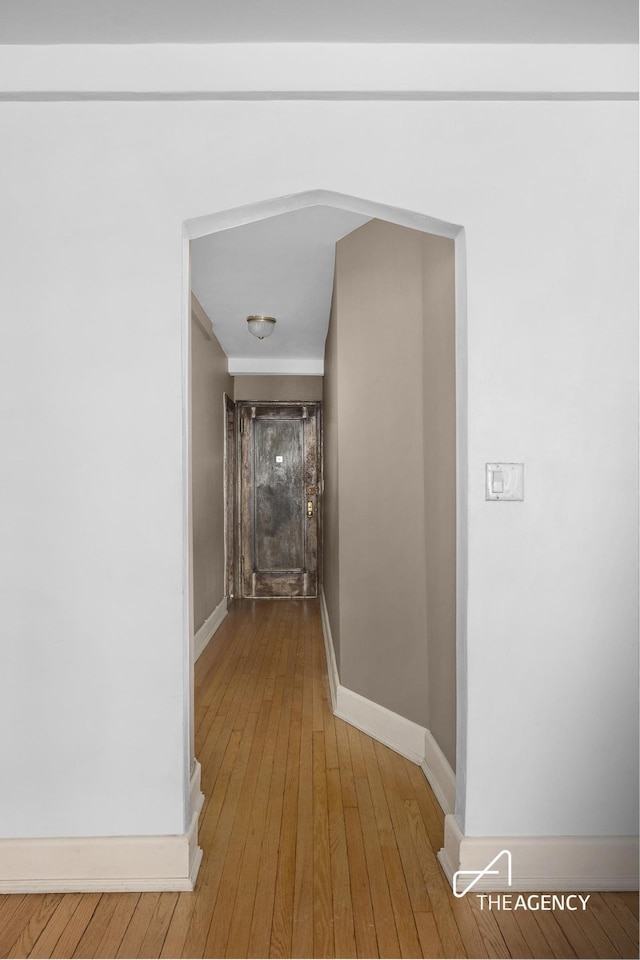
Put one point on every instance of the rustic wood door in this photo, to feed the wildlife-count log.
(280, 478)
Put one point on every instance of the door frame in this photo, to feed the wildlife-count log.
(250, 213)
(230, 468)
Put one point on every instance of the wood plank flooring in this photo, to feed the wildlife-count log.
(318, 841)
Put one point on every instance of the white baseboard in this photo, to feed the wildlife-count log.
(208, 628)
(544, 864)
(196, 796)
(332, 669)
(104, 864)
(438, 772)
(404, 736)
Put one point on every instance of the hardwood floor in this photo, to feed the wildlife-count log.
(318, 841)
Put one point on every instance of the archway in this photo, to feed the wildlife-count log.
(403, 736)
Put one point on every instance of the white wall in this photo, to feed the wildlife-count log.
(93, 198)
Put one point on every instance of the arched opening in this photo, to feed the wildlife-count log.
(409, 734)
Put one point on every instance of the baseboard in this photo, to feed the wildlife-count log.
(208, 628)
(332, 669)
(438, 772)
(398, 733)
(403, 736)
(105, 864)
(196, 796)
(544, 864)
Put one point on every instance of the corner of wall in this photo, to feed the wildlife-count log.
(405, 737)
(105, 864)
(208, 628)
(540, 864)
(332, 668)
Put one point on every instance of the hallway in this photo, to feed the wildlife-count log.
(317, 840)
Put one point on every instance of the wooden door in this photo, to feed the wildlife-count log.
(280, 481)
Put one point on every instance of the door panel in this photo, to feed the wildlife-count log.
(277, 494)
(279, 450)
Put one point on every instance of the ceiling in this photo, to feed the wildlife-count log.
(282, 267)
(309, 21)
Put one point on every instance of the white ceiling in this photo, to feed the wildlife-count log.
(282, 267)
(311, 21)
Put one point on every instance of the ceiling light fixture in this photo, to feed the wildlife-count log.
(260, 326)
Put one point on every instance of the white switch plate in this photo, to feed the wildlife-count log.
(504, 481)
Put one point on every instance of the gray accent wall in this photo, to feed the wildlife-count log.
(439, 424)
(277, 388)
(389, 569)
(209, 382)
(331, 499)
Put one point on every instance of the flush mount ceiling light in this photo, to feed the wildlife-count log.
(260, 326)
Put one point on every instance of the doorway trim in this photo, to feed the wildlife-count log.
(250, 213)
(248, 415)
(230, 467)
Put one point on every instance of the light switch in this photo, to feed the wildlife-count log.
(504, 481)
